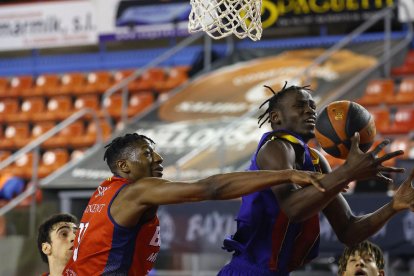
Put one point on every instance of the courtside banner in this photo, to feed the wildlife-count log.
(44, 25)
(132, 19)
(285, 13)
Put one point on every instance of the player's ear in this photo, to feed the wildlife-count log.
(274, 117)
(122, 165)
(46, 248)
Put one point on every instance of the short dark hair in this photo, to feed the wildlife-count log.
(274, 100)
(365, 246)
(120, 147)
(46, 227)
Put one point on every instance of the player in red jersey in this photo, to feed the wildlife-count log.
(55, 241)
(119, 232)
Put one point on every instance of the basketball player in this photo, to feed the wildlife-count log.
(365, 258)
(278, 227)
(119, 230)
(55, 242)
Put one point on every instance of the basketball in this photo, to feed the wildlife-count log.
(337, 123)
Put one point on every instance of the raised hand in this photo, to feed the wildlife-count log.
(368, 165)
(404, 196)
(305, 178)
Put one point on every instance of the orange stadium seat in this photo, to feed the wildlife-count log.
(87, 101)
(44, 85)
(64, 137)
(403, 122)
(4, 154)
(90, 136)
(113, 105)
(18, 85)
(23, 166)
(97, 82)
(382, 117)
(138, 102)
(377, 92)
(175, 77)
(40, 128)
(405, 93)
(58, 108)
(4, 86)
(71, 83)
(9, 108)
(30, 109)
(16, 135)
(52, 160)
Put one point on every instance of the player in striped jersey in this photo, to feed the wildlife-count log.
(278, 227)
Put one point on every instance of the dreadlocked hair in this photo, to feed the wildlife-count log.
(362, 247)
(273, 101)
(119, 148)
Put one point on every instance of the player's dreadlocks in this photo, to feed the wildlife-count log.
(273, 101)
(120, 147)
(363, 247)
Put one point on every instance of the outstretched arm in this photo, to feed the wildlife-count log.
(134, 202)
(157, 191)
(352, 229)
(281, 155)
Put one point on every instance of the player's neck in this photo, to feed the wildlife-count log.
(56, 268)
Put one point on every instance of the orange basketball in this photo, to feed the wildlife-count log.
(337, 123)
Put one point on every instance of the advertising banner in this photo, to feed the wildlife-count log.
(45, 25)
(201, 227)
(134, 19)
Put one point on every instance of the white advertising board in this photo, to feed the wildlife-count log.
(47, 24)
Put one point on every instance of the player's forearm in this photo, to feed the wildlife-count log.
(363, 227)
(298, 209)
(233, 185)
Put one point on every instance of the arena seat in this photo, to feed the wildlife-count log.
(52, 160)
(44, 85)
(64, 137)
(113, 105)
(405, 92)
(89, 138)
(8, 109)
(138, 102)
(382, 117)
(403, 122)
(174, 78)
(16, 135)
(88, 101)
(58, 108)
(377, 92)
(71, 83)
(4, 86)
(30, 109)
(18, 85)
(40, 128)
(96, 82)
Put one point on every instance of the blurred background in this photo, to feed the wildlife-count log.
(73, 74)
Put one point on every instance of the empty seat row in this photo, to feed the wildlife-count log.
(154, 79)
(388, 123)
(60, 107)
(76, 135)
(49, 161)
(407, 68)
(381, 91)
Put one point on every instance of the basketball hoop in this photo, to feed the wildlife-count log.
(221, 18)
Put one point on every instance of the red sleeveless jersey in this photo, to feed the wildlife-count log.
(102, 247)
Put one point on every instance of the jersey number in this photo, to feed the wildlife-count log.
(82, 230)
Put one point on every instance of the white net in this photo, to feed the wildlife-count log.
(221, 18)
